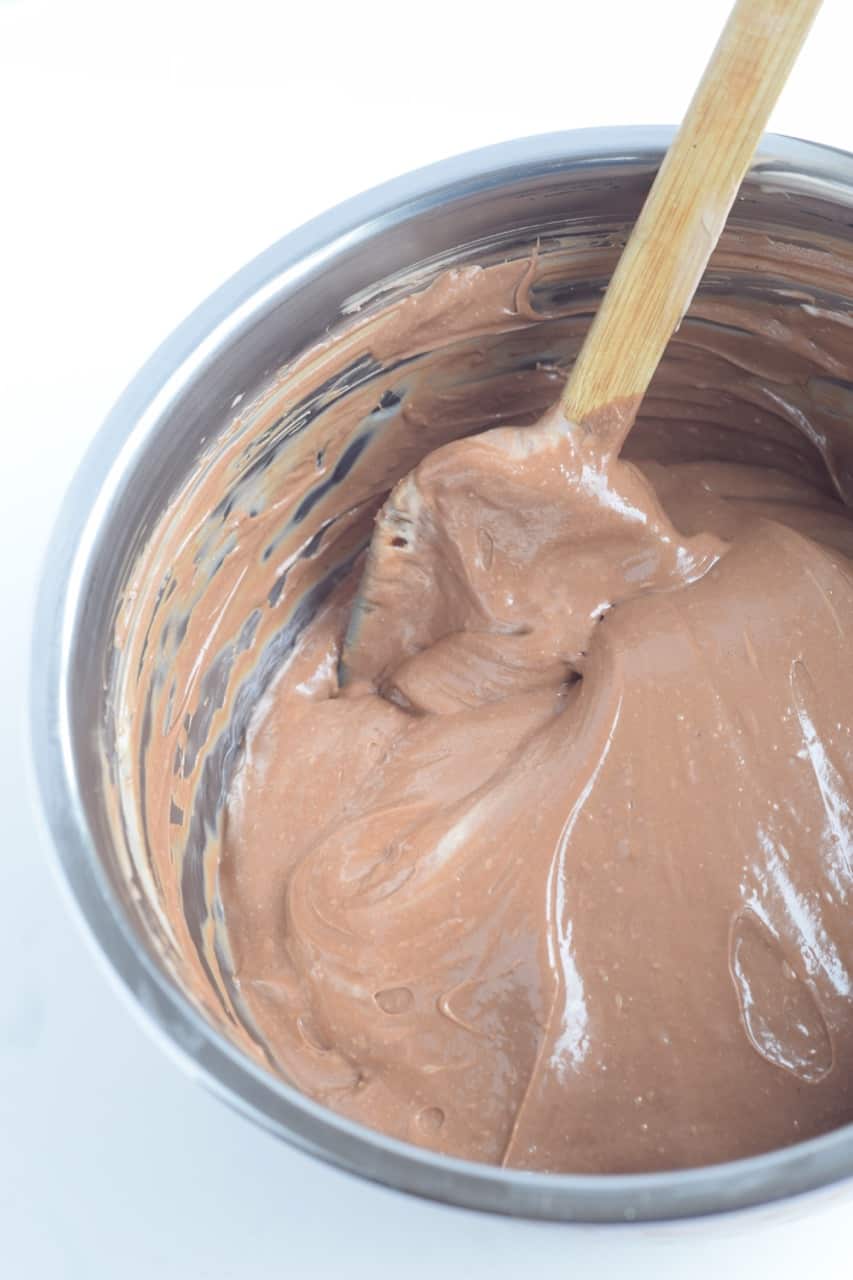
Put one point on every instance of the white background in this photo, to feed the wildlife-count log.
(148, 150)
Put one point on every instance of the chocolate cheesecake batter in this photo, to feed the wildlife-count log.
(557, 871)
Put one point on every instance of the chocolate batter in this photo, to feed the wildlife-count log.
(555, 873)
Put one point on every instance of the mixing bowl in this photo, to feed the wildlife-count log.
(572, 195)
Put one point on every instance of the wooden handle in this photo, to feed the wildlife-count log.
(685, 211)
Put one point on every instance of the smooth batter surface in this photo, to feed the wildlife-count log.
(570, 890)
(560, 877)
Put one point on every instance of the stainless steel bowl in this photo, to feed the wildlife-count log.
(268, 312)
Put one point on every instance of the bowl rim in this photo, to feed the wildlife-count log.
(162, 1007)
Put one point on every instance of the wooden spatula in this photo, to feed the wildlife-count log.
(686, 209)
(650, 290)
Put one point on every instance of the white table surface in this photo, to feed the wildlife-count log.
(147, 151)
